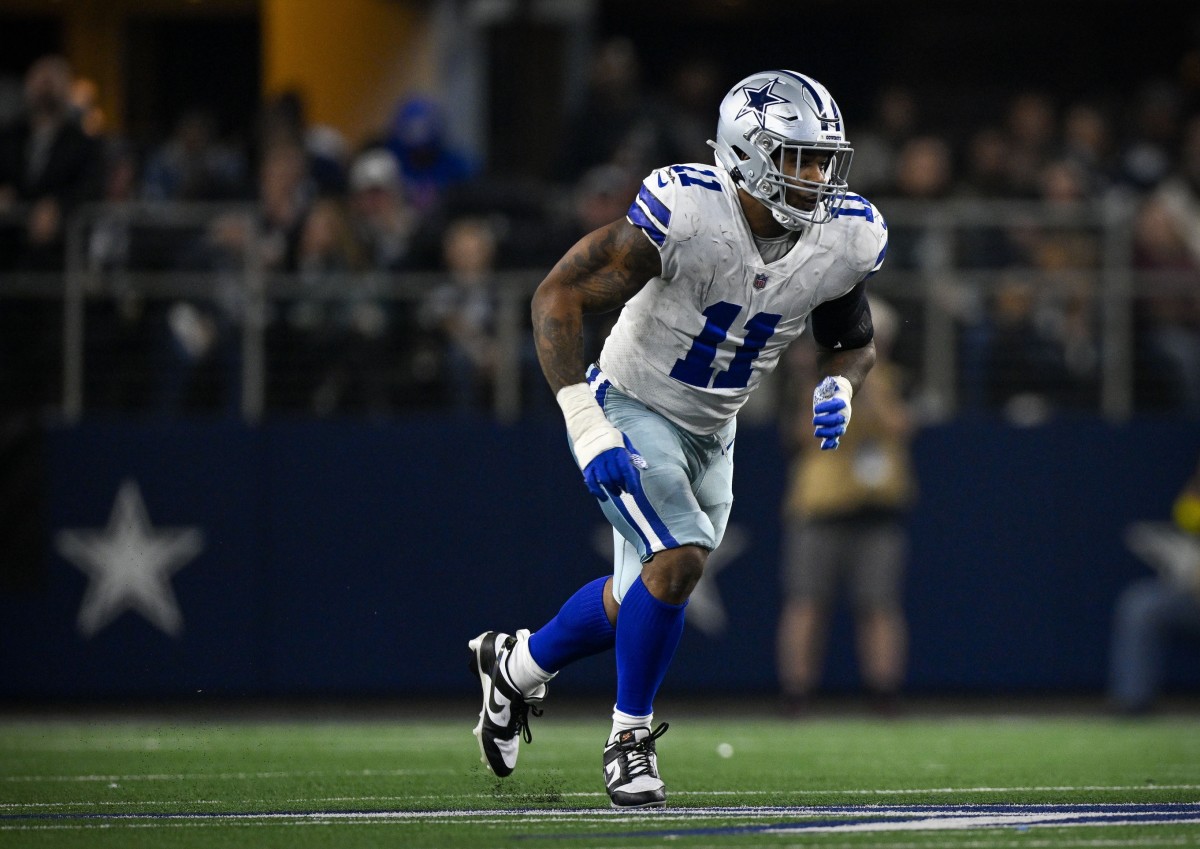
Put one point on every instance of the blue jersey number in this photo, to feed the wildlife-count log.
(702, 177)
(696, 369)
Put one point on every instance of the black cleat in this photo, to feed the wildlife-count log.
(504, 718)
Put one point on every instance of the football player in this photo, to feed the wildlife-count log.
(718, 269)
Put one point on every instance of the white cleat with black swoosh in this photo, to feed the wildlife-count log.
(631, 769)
(504, 718)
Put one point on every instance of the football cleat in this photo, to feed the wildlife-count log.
(504, 718)
(631, 769)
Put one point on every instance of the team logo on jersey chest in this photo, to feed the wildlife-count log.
(760, 280)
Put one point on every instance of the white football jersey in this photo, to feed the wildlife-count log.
(695, 342)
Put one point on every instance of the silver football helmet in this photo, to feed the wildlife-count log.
(769, 123)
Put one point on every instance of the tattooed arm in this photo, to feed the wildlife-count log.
(600, 273)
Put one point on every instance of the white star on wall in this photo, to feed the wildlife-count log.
(129, 565)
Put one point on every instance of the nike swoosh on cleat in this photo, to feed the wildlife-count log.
(612, 770)
(492, 706)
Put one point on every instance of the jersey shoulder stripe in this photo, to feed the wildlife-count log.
(879, 260)
(866, 233)
(858, 205)
(651, 215)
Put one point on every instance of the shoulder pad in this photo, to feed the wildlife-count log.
(866, 235)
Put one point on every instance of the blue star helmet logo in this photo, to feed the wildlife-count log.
(758, 99)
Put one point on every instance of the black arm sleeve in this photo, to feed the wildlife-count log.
(844, 322)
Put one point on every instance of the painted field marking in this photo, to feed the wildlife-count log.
(392, 773)
(869, 815)
(226, 776)
(947, 818)
(83, 803)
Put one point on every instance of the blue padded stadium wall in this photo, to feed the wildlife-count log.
(349, 559)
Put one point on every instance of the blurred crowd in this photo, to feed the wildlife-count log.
(335, 230)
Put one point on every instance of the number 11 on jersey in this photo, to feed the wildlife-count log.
(696, 369)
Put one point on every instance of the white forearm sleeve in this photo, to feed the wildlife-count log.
(590, 431)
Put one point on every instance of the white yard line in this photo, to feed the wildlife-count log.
(572, 795)
(225, 776)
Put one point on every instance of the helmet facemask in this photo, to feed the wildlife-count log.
(785, 160)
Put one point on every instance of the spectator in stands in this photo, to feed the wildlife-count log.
(48, 162)
(463, 309)
(1167, 313)
(48, 165)
(1088, 144)
(118, 339)
(601, 196)
(1153, 613)
(109, 240)
(284, 123)
(985, 174)
(85, 100)
(687, 121)
(1068, 313)
(1024, 368)
(429, 163)
(202, 367)
(329, 348)
(1146, 157)
(986, 177)
(380, 215)
(200, 364)
(617, 122)
(1032, 132)
(1176, 332)
(845, 526)
(877, 146)
(286, 192)
(192, 165)
(1063, 182)
(924, 171)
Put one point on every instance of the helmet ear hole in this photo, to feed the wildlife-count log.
(741, 154)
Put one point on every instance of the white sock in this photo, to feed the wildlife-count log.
(523, 671)
(627, 722)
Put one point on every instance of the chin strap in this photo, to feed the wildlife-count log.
(794, 224)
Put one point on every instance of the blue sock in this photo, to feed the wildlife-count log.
(580, 629)
(648, 631)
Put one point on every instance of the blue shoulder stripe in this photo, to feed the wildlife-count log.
(638, 218)
(878, 261)
(649, 213)
(654, 206)
(863, 211)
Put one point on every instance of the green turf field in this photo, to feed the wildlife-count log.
(935, 781)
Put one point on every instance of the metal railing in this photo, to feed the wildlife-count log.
(949, 273)
(935, 275)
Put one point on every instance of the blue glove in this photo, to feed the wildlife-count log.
(831, 411)
(616, 470)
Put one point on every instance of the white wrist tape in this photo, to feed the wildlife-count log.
(591, 432)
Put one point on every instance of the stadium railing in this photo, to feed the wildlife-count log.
(956, 271)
